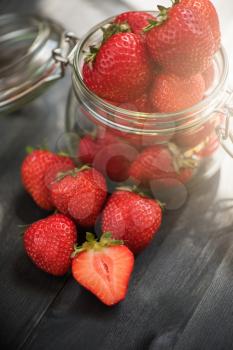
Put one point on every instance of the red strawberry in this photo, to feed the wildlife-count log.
(90, 145)
(49, 243)
(114, 160)
(119, 60)
(133, 218)
(181, 40)
(208, 76)
(207, 11)
(171, 93)
(81, 193)
(141, 104)
(104, 268)
(34, 168)
(161, 163)
(198, 135)
(136, 20)
(87, 149)
(108, 154)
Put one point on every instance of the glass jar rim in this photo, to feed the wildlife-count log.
(104, 105)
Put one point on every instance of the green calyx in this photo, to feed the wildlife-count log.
(42, 147)
(114, 28)
(29, 149)
(110, 30)
(133, 189)
(71, 172)
(96, 245)
(161, 17)
(138, 191)
(90, 57)
(180, 160)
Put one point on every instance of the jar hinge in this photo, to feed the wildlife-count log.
(225, 133)
(65, 58)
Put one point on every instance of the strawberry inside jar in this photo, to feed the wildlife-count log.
(151, 88)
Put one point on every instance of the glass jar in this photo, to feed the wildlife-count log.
(115, 140)
(174, 150)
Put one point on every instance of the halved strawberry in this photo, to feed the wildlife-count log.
(104, 268)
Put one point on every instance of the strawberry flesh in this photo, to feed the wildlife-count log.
(105, 273)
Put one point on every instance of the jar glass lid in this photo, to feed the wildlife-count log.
(27, 67)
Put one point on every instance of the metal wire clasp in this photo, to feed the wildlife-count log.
(64, 56)
(225, 133)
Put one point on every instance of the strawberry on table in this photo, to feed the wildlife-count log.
(170, 93)
(80, 193)
(104, 268)
(33, 171)
(120, 71)
(49, 243)
(181, 40)
(166, 164)
(136, 20)
(132, 217)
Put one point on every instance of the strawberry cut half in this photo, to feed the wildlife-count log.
(104, 268)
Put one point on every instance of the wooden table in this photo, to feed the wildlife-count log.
(181, 293)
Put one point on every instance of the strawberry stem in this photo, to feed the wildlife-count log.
(29, 149)
(71, 172)
(94, 244)
(112, 29)
(179, 160)
(42, 147)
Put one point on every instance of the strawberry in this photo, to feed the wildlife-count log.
(81, 193)
(87, 149)
(104, 268)
(198, 135)
(90, 145)
(114, 160)
(171, 93)
(208, 76)
(133, 218)
(108, 154)
(119, 60)
(163, 164)
(136, 20)
(141, 104)
(207, 11)
(49, 243)
(34, 168)
(180, 40)
(141, 140)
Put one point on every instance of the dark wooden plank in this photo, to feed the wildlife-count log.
(25, 292)
(171, 278)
